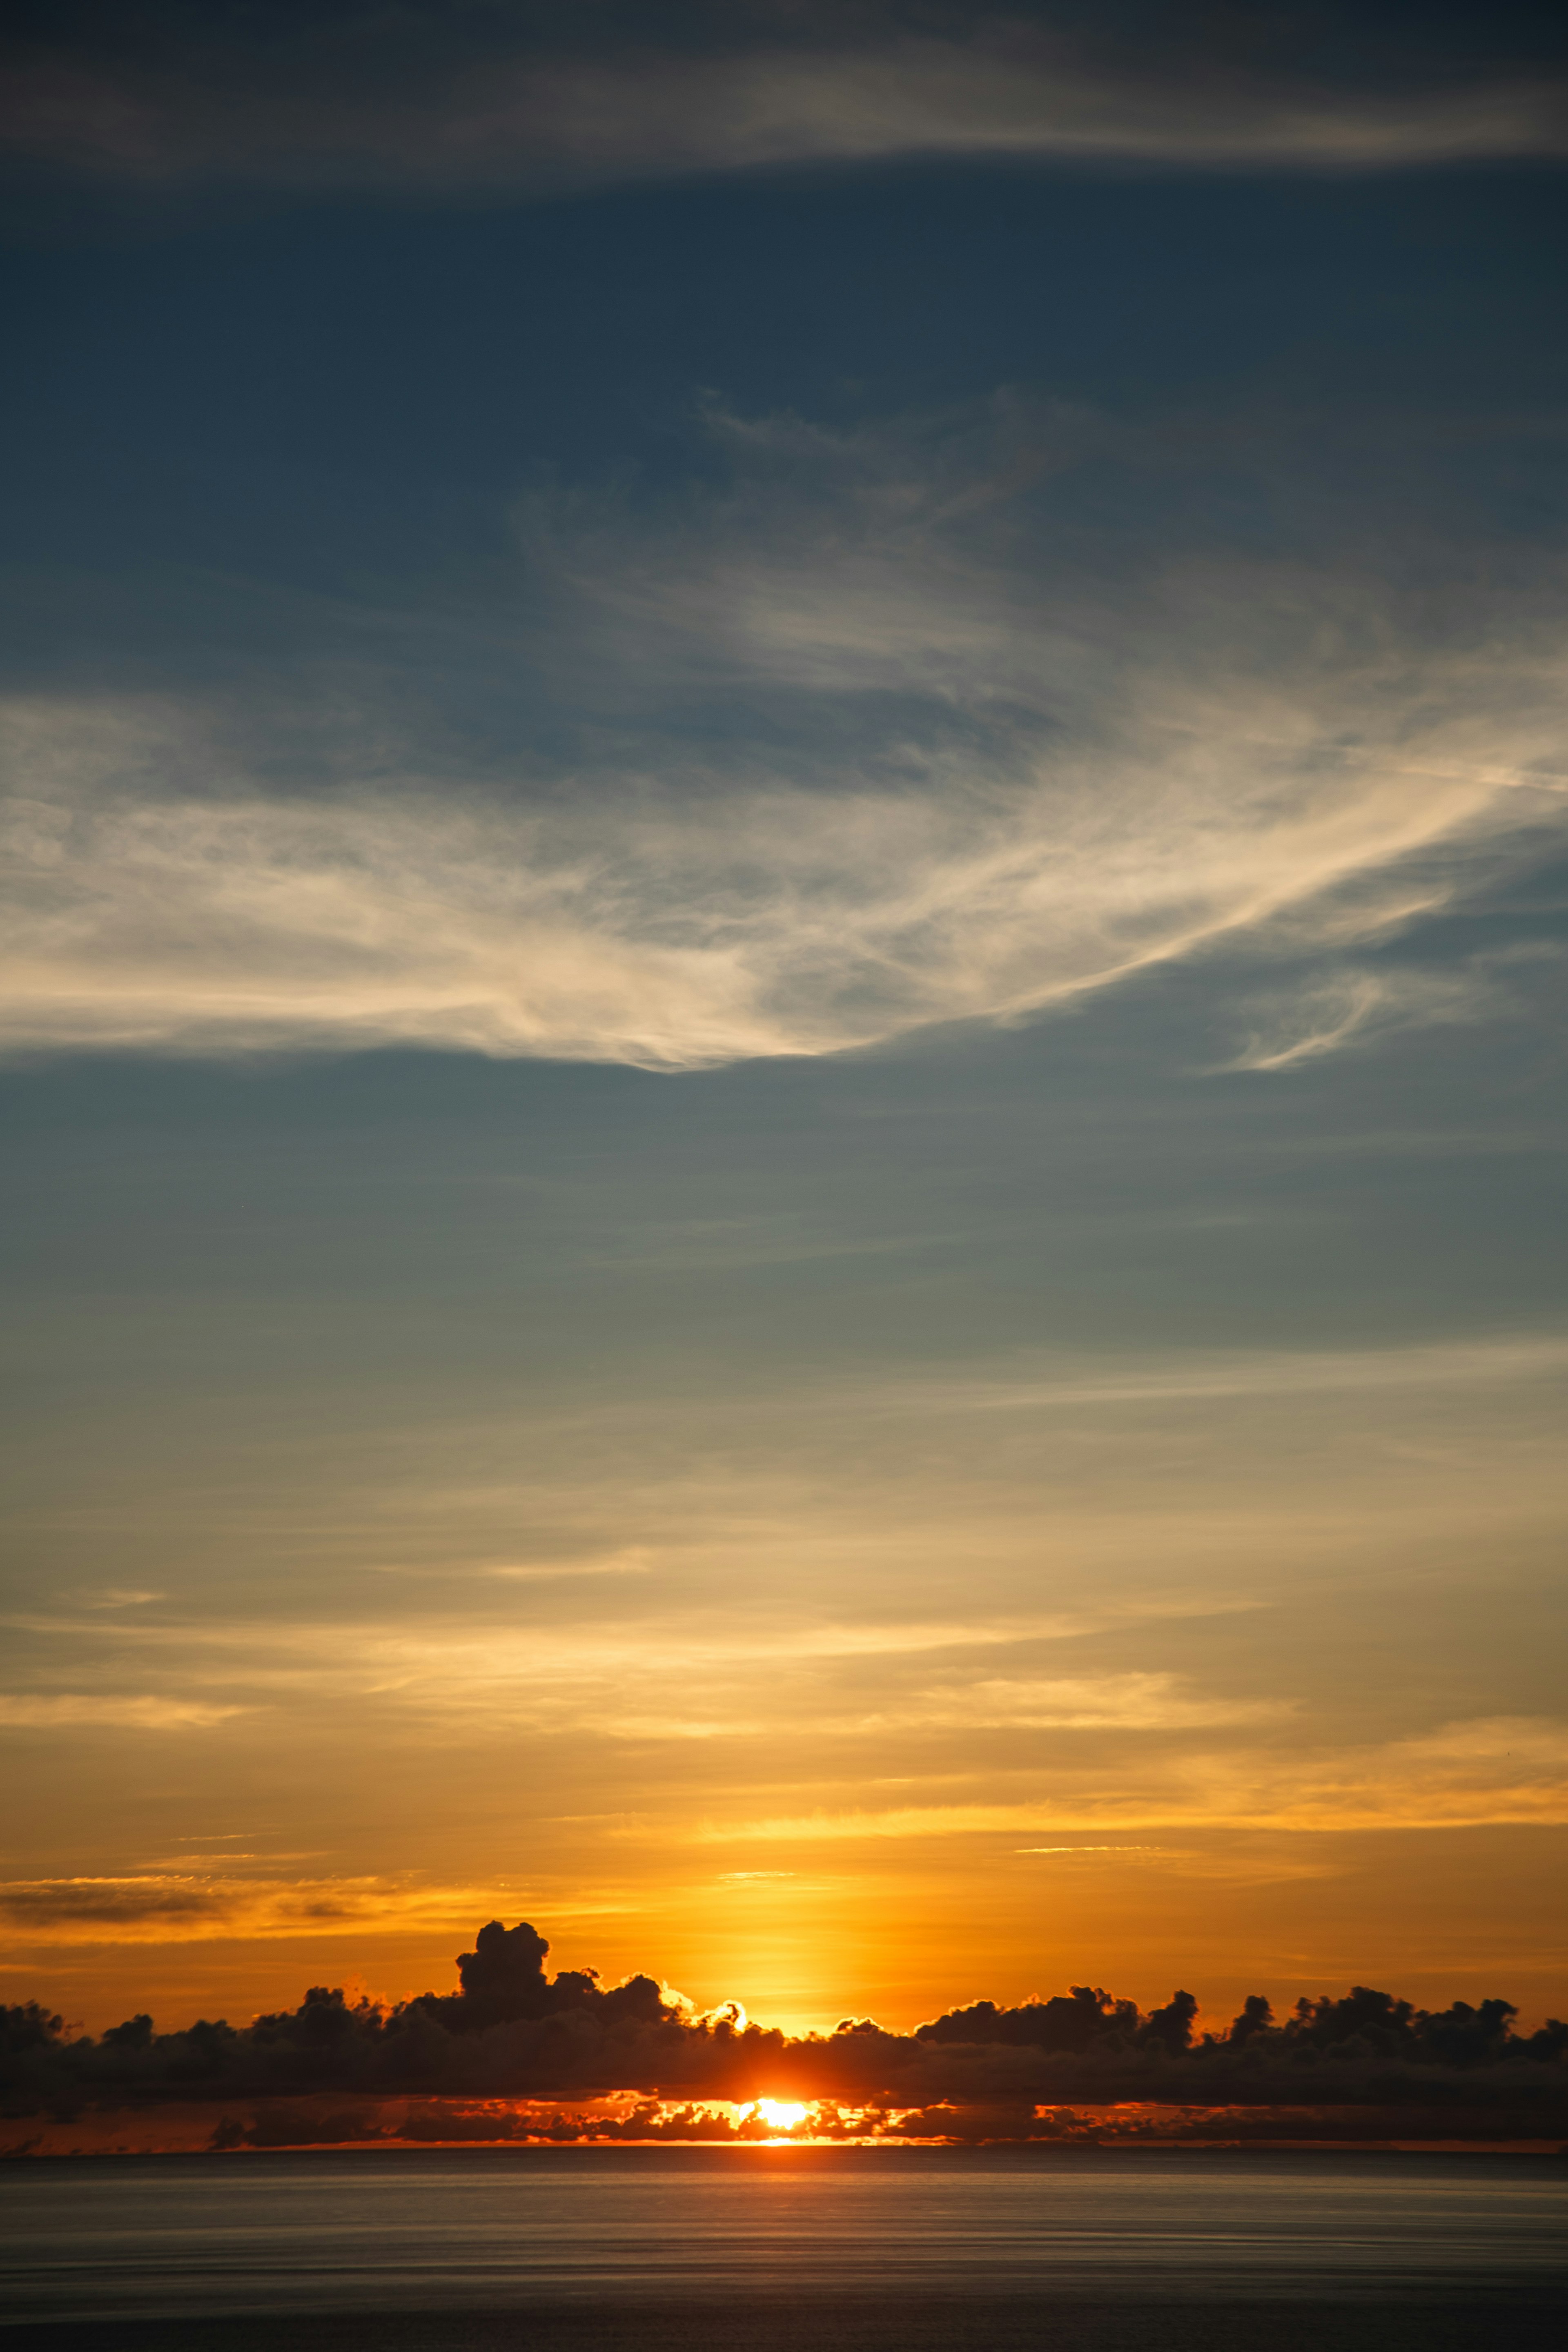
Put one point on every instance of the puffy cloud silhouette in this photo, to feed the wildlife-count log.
(513, 2033)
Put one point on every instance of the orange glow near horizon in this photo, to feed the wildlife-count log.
(783, 2116)
(238, 2128)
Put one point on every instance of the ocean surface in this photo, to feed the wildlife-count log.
(692, 2251)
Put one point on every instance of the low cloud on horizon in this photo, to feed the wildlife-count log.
(511, 2031)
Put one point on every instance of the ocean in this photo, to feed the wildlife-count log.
(871, 2250)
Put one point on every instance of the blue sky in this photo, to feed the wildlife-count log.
(785, 869)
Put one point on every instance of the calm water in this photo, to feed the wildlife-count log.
(708, 2247)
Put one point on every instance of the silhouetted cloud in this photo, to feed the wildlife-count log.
(513, 2032)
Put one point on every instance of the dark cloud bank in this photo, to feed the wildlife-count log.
(1371, 2063)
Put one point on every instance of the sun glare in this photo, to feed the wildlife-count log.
(778, 2116)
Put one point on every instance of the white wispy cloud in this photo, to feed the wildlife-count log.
(1352, 1007)
(1007, 787)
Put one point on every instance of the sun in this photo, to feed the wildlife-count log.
(779, 2115)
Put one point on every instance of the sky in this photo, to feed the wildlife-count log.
(786, 852)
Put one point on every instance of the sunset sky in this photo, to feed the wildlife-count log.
(785, 860)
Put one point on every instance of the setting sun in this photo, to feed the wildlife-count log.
(778, 2116)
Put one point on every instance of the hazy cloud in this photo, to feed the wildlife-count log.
(115, 1908)
(1125, 1702)
(658, 1679)
(1467, 1774)
(1199, 1374)
(1350, 1007)
(74, 1710)
(158, 1907)
(439, 103)
(869, 757)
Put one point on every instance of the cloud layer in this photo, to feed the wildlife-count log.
(197, 1903)
(860, 750)
(683, 938)
(362, 103)
(1488, 1771)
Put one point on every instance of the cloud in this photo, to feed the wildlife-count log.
(513, 2031)
(73, 1710)
(1125, 1702)
(473, 1647)
(866, 756)
(430, 102)
(1472, 1774)
(1488, 1770)
(192, 1904)
(1198, 1375)
(633, 1561)
(109, 1908)
(667, 1680)
(1352, 1007)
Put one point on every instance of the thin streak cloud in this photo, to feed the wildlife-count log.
(447, 121)
(1467, 1775)
(1199, 1374)
(74, 1711)
(152, 1906)
(1128, 1702)
(1355, 1007)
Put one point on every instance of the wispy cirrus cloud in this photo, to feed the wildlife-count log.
(1486, 1361)
(676, 938)
(1350, 1007)
(442, 104)
(79, 1710)
(1122, 1702)
(867, 754)
(1485, 1771)
(658, 1679)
